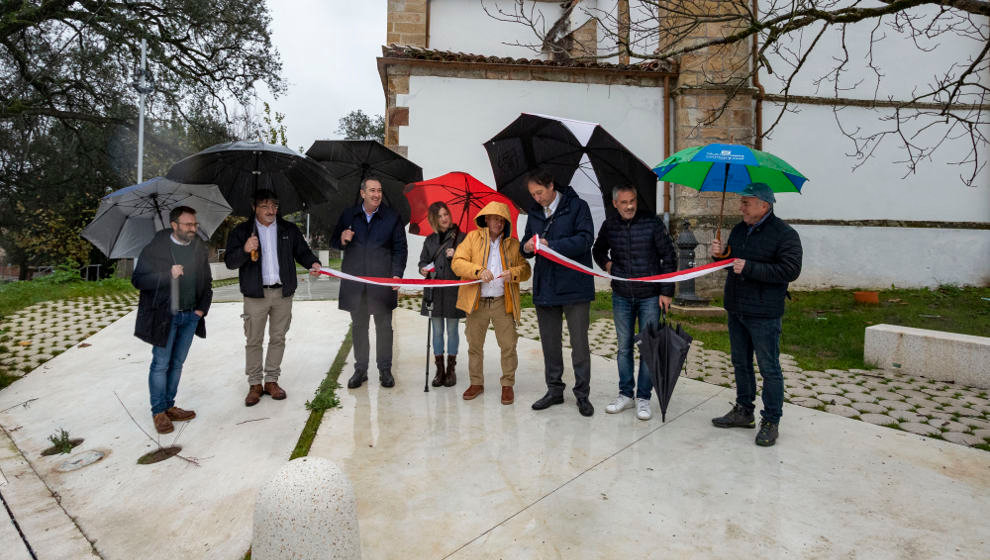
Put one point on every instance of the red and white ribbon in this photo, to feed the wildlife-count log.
(400, 282)
(540, 248)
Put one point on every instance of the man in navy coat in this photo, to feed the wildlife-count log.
(563, 222)
(374, 244)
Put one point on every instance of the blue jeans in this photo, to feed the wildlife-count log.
(453, 338)
(749, 335)
(166, 361)
(626, 311)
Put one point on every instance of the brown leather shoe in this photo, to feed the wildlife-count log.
(473, 391)
(276, 392)
(177, 414)
(507, 395)
(254, 395)
(162, 424)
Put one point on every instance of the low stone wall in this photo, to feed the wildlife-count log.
(220, 271)
(957, 358)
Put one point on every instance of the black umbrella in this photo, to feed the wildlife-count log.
(580, 154)
(243, 167)
(351, 161)
(664, 350)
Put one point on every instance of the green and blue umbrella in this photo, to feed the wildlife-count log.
(728, 168)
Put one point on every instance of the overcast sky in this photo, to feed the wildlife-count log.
(328, 50)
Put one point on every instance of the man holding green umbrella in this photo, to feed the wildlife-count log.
(768, 256)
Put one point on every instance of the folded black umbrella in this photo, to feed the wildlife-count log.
(241, 168)
(664, 350)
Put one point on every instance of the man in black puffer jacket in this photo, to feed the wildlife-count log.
(634, 244)
(768, 256)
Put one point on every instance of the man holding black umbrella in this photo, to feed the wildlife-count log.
(768, 256)
(374, 244)
(563, 222)
(264, 250)
(634, 244)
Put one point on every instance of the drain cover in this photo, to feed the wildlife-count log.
(79, 461)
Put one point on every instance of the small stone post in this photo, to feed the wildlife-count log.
(306, 511)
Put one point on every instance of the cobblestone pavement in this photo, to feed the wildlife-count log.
(922, 406)
(38, 333)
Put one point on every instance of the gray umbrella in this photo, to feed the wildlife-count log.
(127, 219)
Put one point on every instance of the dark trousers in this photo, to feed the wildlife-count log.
(760, 336)
(360, 320)
(550, 320)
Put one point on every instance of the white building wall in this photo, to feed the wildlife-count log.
(878, 257)
(450, 119)
(463, 26)
(811, 142)
(902, 65)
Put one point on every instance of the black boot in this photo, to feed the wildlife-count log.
(441, 375)
(451, 378)
(386, 379)
(738, 417)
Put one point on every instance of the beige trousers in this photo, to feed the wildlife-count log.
(276, 311)
(491, 311)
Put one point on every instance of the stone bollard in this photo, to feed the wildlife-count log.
(307, 511)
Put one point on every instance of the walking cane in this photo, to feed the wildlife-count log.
(429, 312)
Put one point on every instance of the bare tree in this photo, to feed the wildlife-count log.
(792, 44)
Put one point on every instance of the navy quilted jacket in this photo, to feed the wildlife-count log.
(773, 259)
(636, 247)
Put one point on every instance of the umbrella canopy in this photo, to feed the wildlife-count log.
(580, 154)
(128, 219)
(464, 195)
(729, 168)
(351, 161)
(243, 167)
(664, 350)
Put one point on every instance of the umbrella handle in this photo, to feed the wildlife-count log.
(728, 249)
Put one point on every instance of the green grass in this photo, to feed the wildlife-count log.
(63, 284)
(324, 398)
(225, 282)
(825, 329)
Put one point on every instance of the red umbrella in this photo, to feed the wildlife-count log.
(463, 194)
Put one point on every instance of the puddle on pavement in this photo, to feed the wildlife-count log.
(84, 459)
(159, 454)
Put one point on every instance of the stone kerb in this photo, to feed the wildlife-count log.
(306, 511)
(944, 356)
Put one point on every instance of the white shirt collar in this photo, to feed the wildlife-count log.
(552, 207)
(176, 241)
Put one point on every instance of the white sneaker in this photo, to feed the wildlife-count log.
(643, 411)
(620, 403)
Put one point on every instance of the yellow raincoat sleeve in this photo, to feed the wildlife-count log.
(463, 263)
